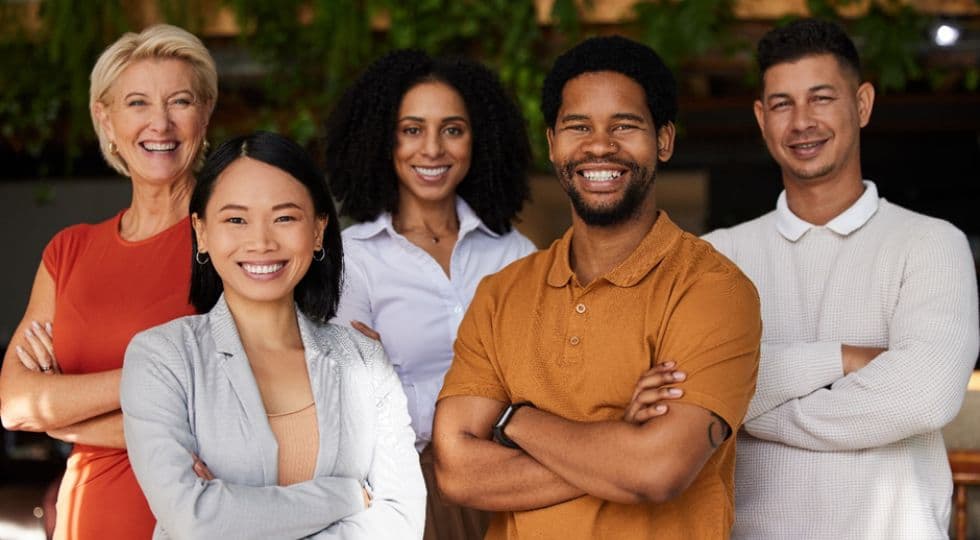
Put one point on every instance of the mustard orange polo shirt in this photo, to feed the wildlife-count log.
(534, 333)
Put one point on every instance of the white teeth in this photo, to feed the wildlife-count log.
(431, 171)
(601, 176)
(807, 146)
(159, 147)
(262, 268)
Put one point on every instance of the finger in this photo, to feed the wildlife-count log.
(38, 351)
(657, 380)
(42, 334)
(366, 330)
(202, 471)
(647, 413)
(651, 396)
(26, 359)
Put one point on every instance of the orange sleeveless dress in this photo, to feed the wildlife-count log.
(107, 290)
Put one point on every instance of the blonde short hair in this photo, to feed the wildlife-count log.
(160, 41)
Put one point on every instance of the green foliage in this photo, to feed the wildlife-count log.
(46, 74)
(679, 31)
(311, 50)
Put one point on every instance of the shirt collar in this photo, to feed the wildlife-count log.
(652, 249)
(793, 228)
(468, 222)
(228, 341)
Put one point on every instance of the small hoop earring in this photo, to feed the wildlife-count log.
(206, 146)
(113, 149)
(321, 252)
(197, 257)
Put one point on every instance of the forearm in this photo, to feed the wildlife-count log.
(482, 474)
(105, 430)
(791, 370)
(598, 458)
(31, 401)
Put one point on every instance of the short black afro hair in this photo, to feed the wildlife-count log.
(613, 53)
(360, 138)
(807, 37)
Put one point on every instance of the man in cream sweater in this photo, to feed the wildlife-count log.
(869, 314)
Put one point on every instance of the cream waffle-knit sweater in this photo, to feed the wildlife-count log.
(823, 455)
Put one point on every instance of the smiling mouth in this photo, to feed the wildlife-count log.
(159, 146)
(262, 269)
(601, 175)
(431, 172)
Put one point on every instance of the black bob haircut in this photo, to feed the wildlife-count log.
(360, 138)
(613, 53)
(807, 37)
(318, 292)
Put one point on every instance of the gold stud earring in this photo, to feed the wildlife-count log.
(113, 149)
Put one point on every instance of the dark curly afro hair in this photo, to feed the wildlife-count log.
(808, 37)
(613, 53)
(360, 138)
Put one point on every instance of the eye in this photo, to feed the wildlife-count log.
(235, 220)
(579, 128)
(823, 99)
(625, 127)
(411, 130)
(181, 102)
(136, 103)
(454, 131)
(780, 105)
(285, 219)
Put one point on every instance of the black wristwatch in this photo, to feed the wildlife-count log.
(504, 419)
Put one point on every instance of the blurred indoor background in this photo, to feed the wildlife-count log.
(282, 64)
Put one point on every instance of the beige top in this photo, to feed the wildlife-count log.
(299, 441)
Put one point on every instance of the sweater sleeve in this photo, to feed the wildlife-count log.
(793, 370)
(917, 385)
(161, 444)
(397, 509)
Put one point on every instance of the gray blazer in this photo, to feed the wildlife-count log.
(187, 388)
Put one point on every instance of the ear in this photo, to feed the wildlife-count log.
(101, 112)
(865, 102)
(321, 228)
(665, 141)
(760, 117)
(199, 233)
(550, 135)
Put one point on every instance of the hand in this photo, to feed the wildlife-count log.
(651, 391)
(366, 330)
(39, 356)
(201, 470)
(854, 358)
(367, 497)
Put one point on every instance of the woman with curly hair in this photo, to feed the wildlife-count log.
(429, 158)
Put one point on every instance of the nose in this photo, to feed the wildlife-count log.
(601, 144)
(160, 117)
(261, 239)
(432, 147)
(803, 118)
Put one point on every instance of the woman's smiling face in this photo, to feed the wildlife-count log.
(260, 230)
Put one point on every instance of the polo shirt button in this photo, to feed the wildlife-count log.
(580, 308)
(574, 340)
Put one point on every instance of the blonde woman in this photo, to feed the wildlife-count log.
(151, 97)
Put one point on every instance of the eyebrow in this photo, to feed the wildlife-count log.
(174, 93)
(617, 116)
(817, 88)
(280, 206)
(444, 120)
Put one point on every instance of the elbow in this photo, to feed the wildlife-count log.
(450, 484)
(659, 488)
(18, 415)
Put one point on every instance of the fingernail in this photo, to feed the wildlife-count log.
(48, 326)
(679, 375)
(668, 364)
(29, 333)
(661, 408)
(19, 349)
(674, 391)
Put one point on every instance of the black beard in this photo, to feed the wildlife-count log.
(642, 180)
